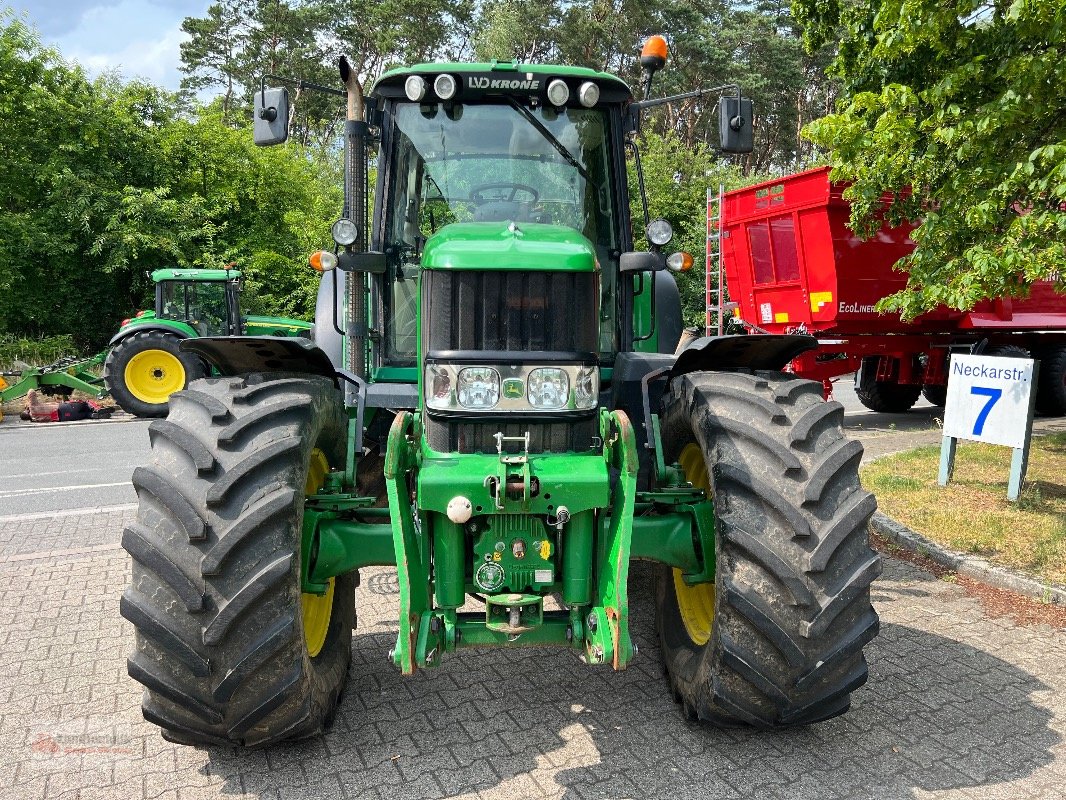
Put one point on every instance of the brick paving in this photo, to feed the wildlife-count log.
(958, 706)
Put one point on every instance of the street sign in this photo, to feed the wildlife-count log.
(989, 399)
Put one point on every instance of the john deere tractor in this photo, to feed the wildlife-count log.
(509, 429)
(145, 365)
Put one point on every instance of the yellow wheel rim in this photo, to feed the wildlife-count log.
(153, 375)
(696, 603)
(316, 608)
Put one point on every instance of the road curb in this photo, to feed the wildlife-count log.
(971, 566)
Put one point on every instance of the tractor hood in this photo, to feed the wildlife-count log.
(525, 246)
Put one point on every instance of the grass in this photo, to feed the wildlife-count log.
(972, 514)
(35, 352)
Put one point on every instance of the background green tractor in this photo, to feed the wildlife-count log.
(493, 407)
(145, 365)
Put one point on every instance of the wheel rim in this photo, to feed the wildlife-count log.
(153, 375)
(316, 608)
(696, 603)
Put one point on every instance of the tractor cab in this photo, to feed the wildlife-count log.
(206, 300)
(502, 174)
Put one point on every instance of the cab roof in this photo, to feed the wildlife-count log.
(507, 69)
(194, 274)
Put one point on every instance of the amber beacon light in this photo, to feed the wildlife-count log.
(653, 54)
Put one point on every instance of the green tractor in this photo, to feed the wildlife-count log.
(146, 365)
(492, 406)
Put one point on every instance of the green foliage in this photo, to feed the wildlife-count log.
(955, 110)
(104, 182)
(35, 352)
(676, 181)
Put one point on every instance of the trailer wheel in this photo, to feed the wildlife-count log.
(144, 369)
(935, 393)
(227, 647)
(776, 641)
(887, 397)
(1051, 385)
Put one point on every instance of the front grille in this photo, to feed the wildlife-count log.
(452, 435)
(510, 311)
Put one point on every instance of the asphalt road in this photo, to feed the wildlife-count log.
(46, 467)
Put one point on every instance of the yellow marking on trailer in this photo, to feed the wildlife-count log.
(781, 316)
(819, 299)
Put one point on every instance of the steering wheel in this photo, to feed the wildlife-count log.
(476, 194)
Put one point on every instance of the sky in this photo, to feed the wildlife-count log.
(139, 38)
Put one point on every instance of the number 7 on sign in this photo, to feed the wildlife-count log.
(993, 395)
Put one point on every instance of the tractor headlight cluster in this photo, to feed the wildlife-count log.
(512, 387)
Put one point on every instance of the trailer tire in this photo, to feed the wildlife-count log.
(142, 370)
(221, 646)
(886, 397)
(1051, 385)
(776, 641)
(935, 393)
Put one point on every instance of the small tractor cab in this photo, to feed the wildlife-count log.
(492, 406)
(145, 365)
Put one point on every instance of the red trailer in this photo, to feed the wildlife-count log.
(792, 264)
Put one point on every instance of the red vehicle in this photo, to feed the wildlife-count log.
(792, 264)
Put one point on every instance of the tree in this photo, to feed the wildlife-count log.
(952, 113)
(105, 182)
(676, 180)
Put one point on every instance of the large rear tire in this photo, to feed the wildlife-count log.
(144, 369)
(777, 640)
(228, 648)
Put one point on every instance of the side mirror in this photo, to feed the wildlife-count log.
(641, 262)
(270, 123)
(735, 132)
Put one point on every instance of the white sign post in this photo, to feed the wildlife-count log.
(990, 399)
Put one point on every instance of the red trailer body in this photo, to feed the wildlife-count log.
(792, 264)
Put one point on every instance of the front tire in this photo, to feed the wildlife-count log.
(144, 369)
(777, 640)
(227, 647)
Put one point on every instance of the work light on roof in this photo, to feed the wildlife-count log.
(558, 92)
(415, 88)
(444, 86)
(589, 94)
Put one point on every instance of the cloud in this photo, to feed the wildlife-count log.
(138, 38)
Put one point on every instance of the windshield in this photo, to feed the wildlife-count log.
(493, 163)
(200, 304)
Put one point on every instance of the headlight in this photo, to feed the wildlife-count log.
(444, 86)
(586, 387)
(345, 232)
(415, 88)
(548, 387)
(588, 94)
(558, 92)
(659, 232)
(478, 387)
(439, 384)
(512, 388)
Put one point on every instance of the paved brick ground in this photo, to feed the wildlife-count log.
(958, 706)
